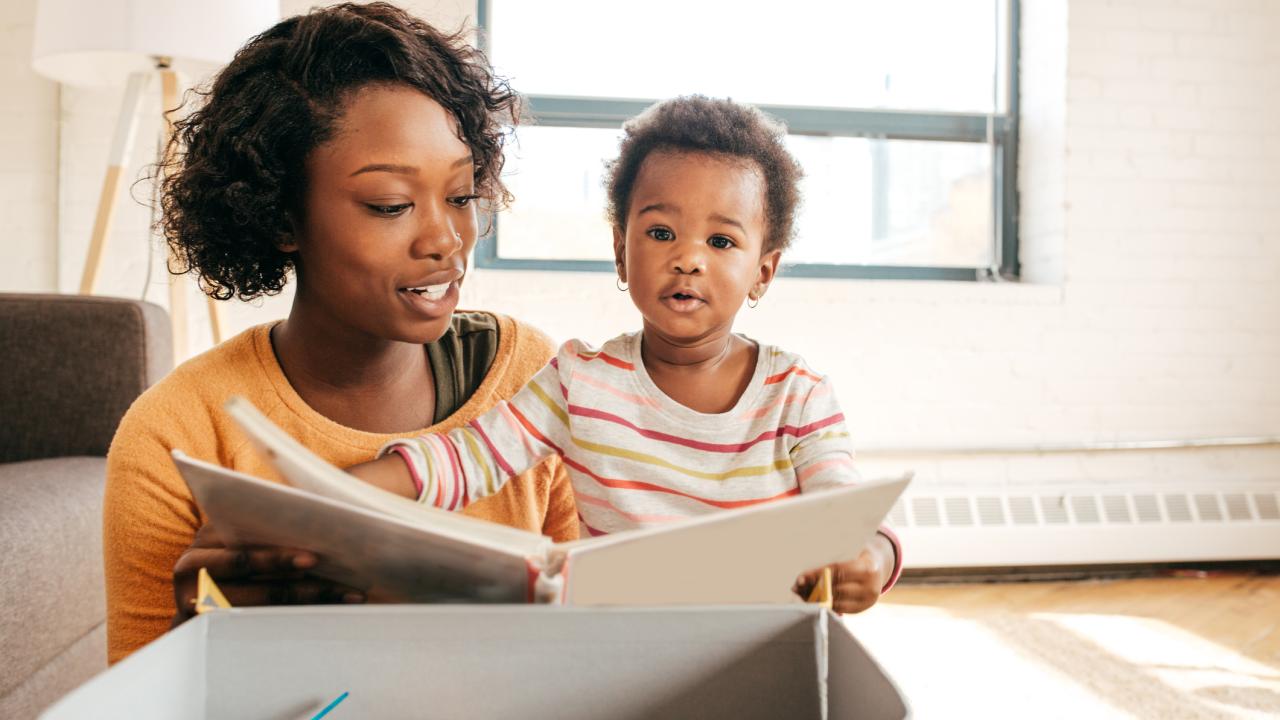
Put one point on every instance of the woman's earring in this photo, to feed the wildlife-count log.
(752, 301)
(617, 281)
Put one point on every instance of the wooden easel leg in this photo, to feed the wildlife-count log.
(215, 320)
(117, 161)
(177, 286)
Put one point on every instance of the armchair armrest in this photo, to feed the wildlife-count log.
(70, 366)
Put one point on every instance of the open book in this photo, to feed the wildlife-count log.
(396, 549)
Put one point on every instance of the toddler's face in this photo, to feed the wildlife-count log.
(692, 248)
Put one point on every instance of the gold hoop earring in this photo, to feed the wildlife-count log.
(617, 281)
(752, 302)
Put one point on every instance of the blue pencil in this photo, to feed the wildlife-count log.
(331, 706)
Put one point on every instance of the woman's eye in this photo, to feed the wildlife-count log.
(720, 242)
(390, 210)
(462, 201)
(662, 234)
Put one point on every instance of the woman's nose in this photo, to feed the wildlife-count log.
(436, 238)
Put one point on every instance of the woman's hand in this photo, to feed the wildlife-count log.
(855, 585)
(252, 576)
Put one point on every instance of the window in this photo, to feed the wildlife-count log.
(903, 115)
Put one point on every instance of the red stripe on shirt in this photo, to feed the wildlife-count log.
(793, 369)
(493, 450)
(533, 430)
(767, 435)
(609, 359)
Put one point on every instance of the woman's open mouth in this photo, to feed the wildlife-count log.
(430, 292)
(432, 301)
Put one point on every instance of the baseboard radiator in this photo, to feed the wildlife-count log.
(1014, 527)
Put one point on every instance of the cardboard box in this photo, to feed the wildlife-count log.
(422, 661)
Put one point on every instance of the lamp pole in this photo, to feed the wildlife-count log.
(118, 161)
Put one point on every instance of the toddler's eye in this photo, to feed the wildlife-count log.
(389, 210)
(662, 234)
(720, 242)
(462, 201)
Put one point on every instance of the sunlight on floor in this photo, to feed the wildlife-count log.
(1003, 664)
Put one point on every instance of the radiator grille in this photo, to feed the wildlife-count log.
(988, 508)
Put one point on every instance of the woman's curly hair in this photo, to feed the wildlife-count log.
(236, 173)
(696, 123)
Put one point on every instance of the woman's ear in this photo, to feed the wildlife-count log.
(287, 241)
(768, 270)
(620, 252)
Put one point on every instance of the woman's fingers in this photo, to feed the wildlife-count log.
(252, 576)
(232, 564)
(306, 591)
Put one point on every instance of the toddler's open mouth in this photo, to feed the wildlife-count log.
(685, 300)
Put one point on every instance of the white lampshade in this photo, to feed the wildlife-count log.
(100, 42)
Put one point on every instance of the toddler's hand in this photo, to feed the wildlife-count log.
(855, 585)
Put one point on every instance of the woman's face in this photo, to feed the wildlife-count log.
(389, 218)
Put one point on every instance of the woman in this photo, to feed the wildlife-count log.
(349, 146)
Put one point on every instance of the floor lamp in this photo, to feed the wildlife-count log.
(107, 42)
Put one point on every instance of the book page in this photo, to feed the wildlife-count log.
(305, 470)
(752, 555)
(391, 560)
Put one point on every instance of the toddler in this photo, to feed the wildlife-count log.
(683, 417)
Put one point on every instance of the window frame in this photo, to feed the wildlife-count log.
(999, 130)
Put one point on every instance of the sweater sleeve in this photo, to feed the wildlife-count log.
(822, 455)
(476, 460)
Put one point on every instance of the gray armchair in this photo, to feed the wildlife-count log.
(69, 368)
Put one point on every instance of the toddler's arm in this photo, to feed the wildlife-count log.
(823, 454)
(452, 470)
(823, 458)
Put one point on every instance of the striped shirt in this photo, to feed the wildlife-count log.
(636, 457)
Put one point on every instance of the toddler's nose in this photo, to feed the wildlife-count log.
(689, 261)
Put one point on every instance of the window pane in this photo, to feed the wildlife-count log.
(557, 177)
(905, 54)
(865, 202)
(896, 202)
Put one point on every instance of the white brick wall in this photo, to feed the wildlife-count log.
(1150, 239)
(28, 159)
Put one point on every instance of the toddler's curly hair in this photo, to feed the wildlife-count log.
(699, 124)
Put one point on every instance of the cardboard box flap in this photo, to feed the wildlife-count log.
(490, 661)
(857, 687)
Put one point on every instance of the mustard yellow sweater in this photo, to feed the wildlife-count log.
(149, 516)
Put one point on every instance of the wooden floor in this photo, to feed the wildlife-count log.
(1170, 647)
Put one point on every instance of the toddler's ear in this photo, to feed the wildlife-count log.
(620, 252)
(768, 270)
